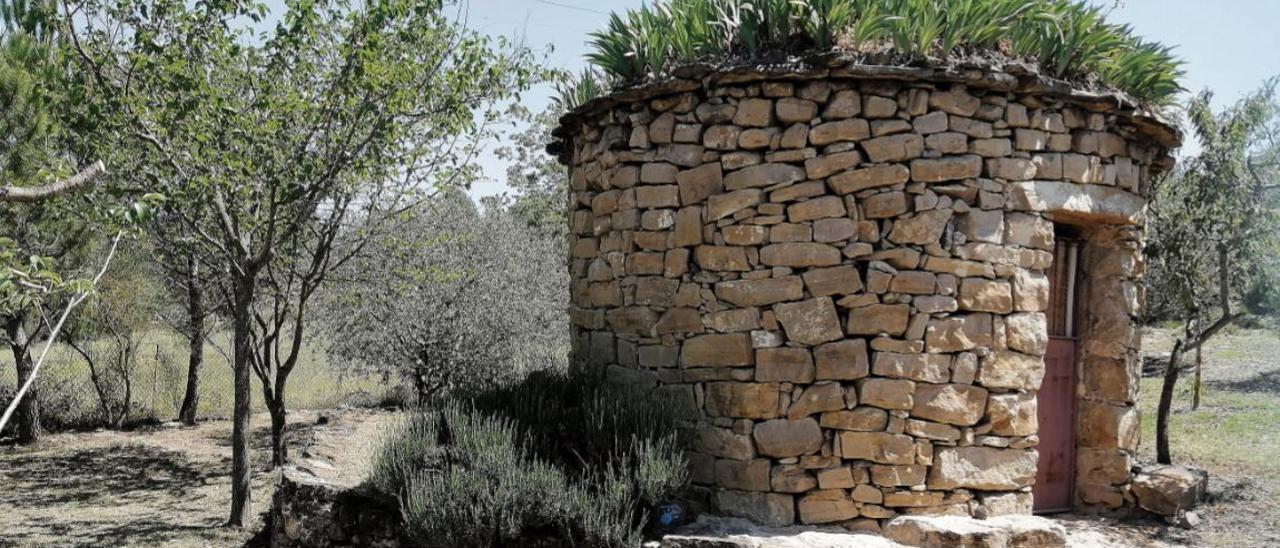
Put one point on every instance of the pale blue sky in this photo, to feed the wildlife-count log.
(1230, 46)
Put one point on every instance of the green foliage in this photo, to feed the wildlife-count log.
(547, 457)
(1068, 38)
(1215, 222)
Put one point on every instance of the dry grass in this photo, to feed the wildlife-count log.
(159, 380)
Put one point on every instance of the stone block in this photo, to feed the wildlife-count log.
(841, 360)
(742, 400)
(782, 438)
(785, 364)
(810, 322)
(958, 404)
(982, 468)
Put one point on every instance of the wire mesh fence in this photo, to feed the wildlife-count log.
(157, 376)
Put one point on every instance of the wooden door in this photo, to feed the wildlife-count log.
(1056, 405)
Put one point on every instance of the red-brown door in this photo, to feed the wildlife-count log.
(1056, 412)
(1056, 400)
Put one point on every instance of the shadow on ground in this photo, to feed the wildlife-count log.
(1262, 382)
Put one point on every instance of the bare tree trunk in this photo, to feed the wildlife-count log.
(279, 422)
(242, 324)
(1195, 398)
(94, 378)
(29, 408)
(195, 345)
(1163, 455)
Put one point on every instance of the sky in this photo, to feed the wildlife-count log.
(1229, 45)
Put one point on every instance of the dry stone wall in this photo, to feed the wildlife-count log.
(841, 282)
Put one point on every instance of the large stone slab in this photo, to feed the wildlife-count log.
(719, 532)
(998, 532)
(1093, 203)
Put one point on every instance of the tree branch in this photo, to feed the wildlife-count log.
(39, 193)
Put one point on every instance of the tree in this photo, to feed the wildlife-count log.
(460, 300)
(540, 182)
(256, 140)
(1215, 229)
(43, 236)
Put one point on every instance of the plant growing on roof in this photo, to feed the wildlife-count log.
(1067, 38)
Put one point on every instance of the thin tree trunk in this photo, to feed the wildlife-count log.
(242, 324)
(1195, 398)
(94, 378)
(1163, 455)
(29, 408)
(279, 423)
(195, 346)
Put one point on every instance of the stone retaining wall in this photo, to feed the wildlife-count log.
(840, 277)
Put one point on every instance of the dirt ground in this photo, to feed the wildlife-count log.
(164, 486)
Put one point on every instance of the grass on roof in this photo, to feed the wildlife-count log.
(1068, 39)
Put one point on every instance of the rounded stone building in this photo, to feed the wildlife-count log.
(873, 290)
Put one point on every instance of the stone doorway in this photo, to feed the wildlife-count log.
(1056, 410)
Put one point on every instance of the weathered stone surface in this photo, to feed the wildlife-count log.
(982, 295)
(722, 442)
(742, 400)
(784, 438)
(898, 476)
(699, 183)
(791, 110)
(997, 532)
(844, 130)
(858, 419)
(826, 506)
(894, 148)
(745, 475)
(817, 208)
(817, 399)
(786, 364)
(887, 393)
(760, 292)
(721, 258)
(837, 280)
(720, 206)
(956, 100)
(934, 368)
(884, 205)
(800, 254)
(984, 468)
(844, 360)
(717, 351)
(763, 175)
(878, 447)
(958, 404)
(890, 319)
(869, 177)
(827, 165)
(1027, 332)
(913, 282)
(718, 532)
(1104, 424)
(1013, 370)
(845, 103)
(754, 113)
(1030, 291)
(923, 228)
(960, 332)
(1012, 414)
(1087, 203)
(810, 322)
(773, 509)
(1169, 490)
(948, 168)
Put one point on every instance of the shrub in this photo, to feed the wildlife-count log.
(545, 458)
(1067, 38)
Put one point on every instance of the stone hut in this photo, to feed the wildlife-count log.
(874, 290)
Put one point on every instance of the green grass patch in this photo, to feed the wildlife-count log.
(1230, 430)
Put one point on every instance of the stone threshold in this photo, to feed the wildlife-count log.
(905, 531)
